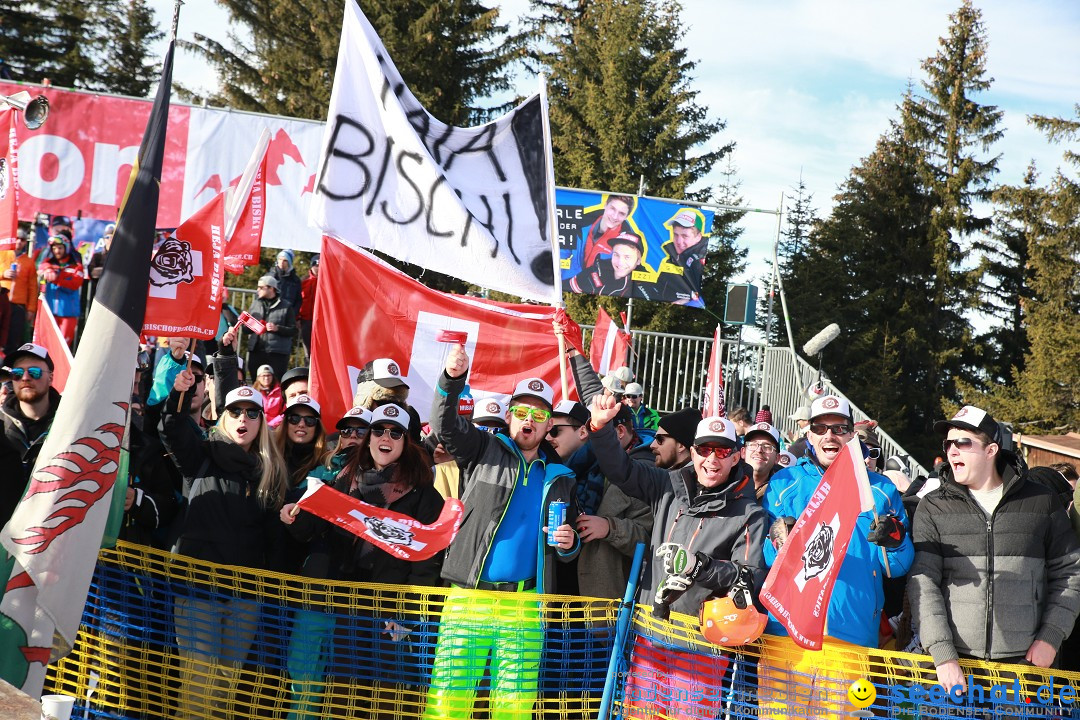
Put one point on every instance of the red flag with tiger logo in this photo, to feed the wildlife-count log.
(798, 588)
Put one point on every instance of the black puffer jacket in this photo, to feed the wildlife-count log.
(223, 521)
(988, 587)
(282, 314)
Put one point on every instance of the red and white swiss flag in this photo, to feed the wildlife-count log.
(365, 309)
(609, 345)
(801, 581)
(187, 275)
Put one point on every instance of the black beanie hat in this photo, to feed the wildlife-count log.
(682, 425)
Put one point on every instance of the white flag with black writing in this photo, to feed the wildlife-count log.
(467, 202)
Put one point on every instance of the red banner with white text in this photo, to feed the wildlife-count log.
(9, 179)
(366, 309)
(79, 161)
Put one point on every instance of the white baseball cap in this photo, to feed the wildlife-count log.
(786, 459)
(635, 389)
(487, 410)
(244, 394)
(830, 405)
(305, 400)
(392, 414)
(386, 372)
(355, 413)
(763, 428)
(715, 429)
(536, 388)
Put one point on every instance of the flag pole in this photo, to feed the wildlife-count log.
(556, 269)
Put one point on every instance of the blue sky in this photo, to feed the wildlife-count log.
(807, 86)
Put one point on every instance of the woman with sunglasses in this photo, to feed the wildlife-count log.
(233, 479)
(300, 439)
(387, 469)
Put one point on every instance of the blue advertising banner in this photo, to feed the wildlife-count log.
(626, 246)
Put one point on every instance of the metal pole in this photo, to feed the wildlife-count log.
(772, 295)
(622, 631)
(176, 17)
(783, 303)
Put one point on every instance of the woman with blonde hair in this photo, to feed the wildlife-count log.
(233, 481)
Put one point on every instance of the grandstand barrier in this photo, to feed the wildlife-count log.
(164, 636)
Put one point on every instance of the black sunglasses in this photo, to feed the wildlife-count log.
(631, 397)
(252, 413)
(395, 433)
(297, 418)
(837, 429)
(556, 429)
(34, 372)
(352, 431)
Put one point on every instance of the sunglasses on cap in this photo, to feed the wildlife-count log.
(395, 433)
(350, 431)
(522, 412)
(722, 453)
(297, 418)
(961, 444)
(837, 429)
(252, 413)
(34, 372)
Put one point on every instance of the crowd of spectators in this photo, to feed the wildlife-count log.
(218, 466)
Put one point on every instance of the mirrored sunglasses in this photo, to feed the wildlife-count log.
(35, 373)
(837, 429)
(721, 452)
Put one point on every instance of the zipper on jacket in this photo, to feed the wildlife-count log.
(989, 582)
(521, 469)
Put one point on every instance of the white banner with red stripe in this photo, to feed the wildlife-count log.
(609, 344)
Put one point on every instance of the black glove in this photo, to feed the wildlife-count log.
(887, 531)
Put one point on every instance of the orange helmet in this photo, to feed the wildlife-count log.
(732, 620)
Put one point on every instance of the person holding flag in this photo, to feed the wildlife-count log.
(708, 532)
(880, 547)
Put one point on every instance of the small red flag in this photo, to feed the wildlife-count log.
(609, 345)
(714, 383)
(397, 534)
(47, 334)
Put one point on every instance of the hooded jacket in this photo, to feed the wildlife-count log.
(493, 467)
(26, 435)
(725, 523)
(988, 587)
(858, 595)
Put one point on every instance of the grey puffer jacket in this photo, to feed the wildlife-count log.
(988, 587)
(725, 523)
(282, 314)
(492, 465)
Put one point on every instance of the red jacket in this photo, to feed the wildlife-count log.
(307, 295)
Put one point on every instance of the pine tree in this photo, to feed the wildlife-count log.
(1045, 393)
(282, 57)
(791, 252)
(622, 107)
(23, 50)
(955, 132)
(867, 267)
(1004, 276)
(75, 37)
(127, 67)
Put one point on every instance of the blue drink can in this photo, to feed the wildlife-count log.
(15, 268)
(556, 517)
